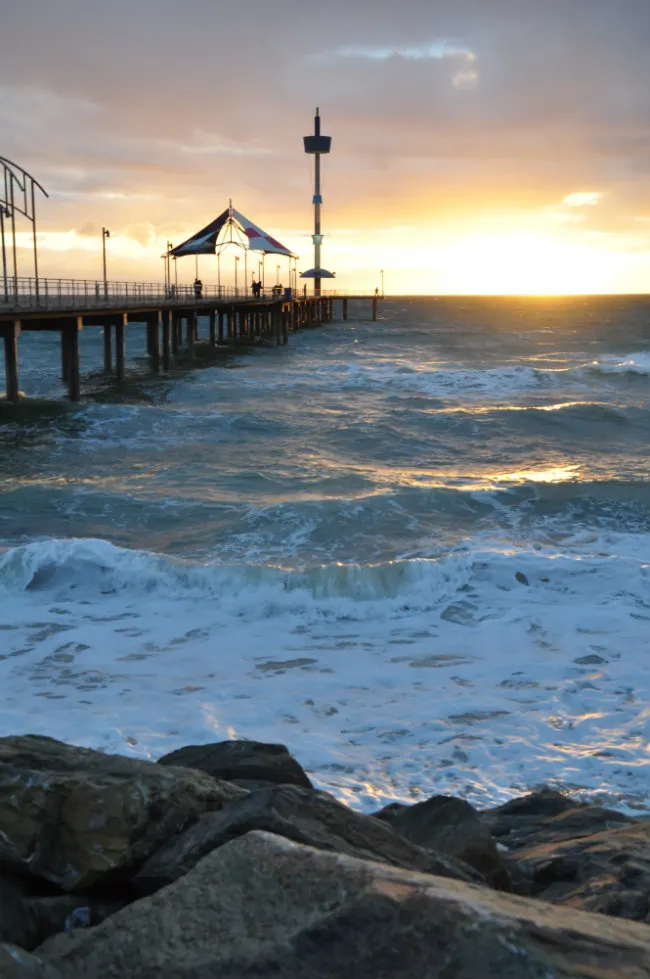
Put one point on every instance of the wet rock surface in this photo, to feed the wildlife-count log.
(451, 827)
(547, 816)
(78, 818)
(249, 763)
(267, 908)
(608, 872)
(300, 815)
(16, 963)
(113, 867)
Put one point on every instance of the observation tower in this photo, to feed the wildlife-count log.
(316, 146)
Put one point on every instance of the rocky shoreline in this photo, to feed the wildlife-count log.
(223, 861)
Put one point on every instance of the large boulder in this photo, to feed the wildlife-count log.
(451, 827)
(607, 872)
(248, 763)
(547, 816)
(300, 815)
(81, 818)
(266, 908)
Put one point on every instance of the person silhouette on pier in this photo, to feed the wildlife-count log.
(198, 288)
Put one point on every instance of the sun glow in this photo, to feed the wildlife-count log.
(529, 264)
(514, 262)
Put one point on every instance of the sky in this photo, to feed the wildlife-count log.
(478, 146)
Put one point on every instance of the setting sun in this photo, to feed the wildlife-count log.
(529, 265)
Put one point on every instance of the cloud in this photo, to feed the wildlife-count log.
(435, 50)
(443, 112)
(582, 199)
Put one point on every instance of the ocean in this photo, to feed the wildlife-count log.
(415, 551)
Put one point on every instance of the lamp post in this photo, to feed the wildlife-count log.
(277, 275)
(105, 234)
(236, 268)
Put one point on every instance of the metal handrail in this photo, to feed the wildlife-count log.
(26, 293)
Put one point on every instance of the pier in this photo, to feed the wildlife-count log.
(67, 307)
(170, 312)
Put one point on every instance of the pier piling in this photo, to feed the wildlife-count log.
(70, 331)
(166, 339)
(191, 332)
(232, 321)
(11, 333)
(120, 351)
(153, 339)
(108, 345)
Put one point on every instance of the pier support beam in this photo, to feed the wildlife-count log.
(65, 366)
(213, 333)
(374, 308)
(11, 332)
(176, 329)
(166, 316)
(221, 335)
(108, 348)
(120, 351)
(191, 333)
(345, 309)
(70, 356)
(153, 339)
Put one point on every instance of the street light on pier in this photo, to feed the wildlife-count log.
(236, 268)
(277, 275)
(105, 234)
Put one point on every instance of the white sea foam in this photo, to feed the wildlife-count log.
(406, 378)
(483, 673)
(634, 363)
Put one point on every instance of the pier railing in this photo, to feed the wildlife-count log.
(27, 293)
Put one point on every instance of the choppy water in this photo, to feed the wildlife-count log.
(416, 551)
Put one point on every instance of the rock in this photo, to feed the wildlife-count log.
(264, 908)
(547, 816)
(16, 963)
(248, 763)
(28, 915)
(80, 818)
(299, 815)
(453, 828)
(607, 872)
(16, 921)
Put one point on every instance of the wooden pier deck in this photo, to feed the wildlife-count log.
(171, 325)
